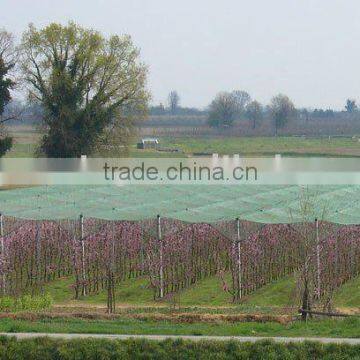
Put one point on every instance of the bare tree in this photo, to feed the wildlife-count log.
(8, 52)
(173, 100)
(350, 105)
(282, 108)
(254, 112)
(242, 99)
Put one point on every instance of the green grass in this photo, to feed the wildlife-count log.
(325, 328)
(265, 145)
(47, 348)
(26, 139)
(278, 293)
(349, 294)
(206, 293)
(21, 151)
(130, 291)
(60, 290)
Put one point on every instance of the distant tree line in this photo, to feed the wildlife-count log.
(228, 108)
(173, 107)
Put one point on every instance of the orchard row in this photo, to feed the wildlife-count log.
(174, 255)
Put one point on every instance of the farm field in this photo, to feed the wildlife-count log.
(138, 314)
(259, 146)
(27, 137)
(201, 310)
(270, 283)
(191, 276)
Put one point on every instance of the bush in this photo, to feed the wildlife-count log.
(46, 348)
(25, 303)
(5, 145)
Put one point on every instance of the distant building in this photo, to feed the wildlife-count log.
(148, 143)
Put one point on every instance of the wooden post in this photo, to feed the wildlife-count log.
(111, 277)
(2, 245)
(161, 250)
(318, 269)
(238, 241)
(37, 257)
(82, 254)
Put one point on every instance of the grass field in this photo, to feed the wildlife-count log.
(349, 294)
(27, 137)
(207, 293)
(267, 146)
(325, 328)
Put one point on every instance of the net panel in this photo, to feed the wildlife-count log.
(188, 203)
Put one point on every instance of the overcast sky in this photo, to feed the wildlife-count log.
(307, 49)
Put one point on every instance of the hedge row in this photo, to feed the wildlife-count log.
(46, 348)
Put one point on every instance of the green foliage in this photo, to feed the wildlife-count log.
(25, 303)
(223, 110)
(6, 84)
(5, 145)
(45, 348)
(87, 85)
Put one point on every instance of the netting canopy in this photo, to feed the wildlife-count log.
(190, 203)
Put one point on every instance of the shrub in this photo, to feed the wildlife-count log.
(25, 303)
(46, 348)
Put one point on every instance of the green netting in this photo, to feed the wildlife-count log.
(190, 203)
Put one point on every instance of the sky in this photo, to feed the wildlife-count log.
(307, 49)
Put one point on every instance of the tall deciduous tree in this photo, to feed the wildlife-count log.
(223, 110)
(7, 63)
(242, 99)
(173, 100)
(282, 109)
(350, 105)
(89, 86)
(254, 112)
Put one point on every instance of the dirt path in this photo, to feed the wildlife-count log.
(192, 338)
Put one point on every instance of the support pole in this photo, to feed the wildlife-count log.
(2, 245)
(82, 254)
(161, 250)
(238, 241)
(37, 257)
(318, 269)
